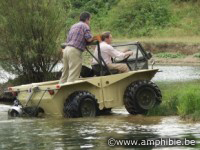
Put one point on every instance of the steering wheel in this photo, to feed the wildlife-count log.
(124, 60)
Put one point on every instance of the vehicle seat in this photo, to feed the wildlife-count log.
(97, 69)
(86, 72)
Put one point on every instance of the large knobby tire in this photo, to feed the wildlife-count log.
(80, 104)
(13, 113)
(33, 111)
(140, 96)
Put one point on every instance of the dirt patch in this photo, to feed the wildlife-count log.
(188, 60)
(172, 47)
(186, 49)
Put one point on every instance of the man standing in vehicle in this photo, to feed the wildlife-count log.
(108, 52)
(78, 36)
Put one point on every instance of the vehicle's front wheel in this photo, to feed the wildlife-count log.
(80, 104)
(140, 96)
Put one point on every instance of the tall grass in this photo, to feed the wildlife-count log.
(197, 55)
(189, 104)
(181, 99)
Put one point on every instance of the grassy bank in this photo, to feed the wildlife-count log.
(181, 99)
(141, 18)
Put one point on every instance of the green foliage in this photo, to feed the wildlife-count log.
(189, 101)
(139, 17)
(183, 101)
(197, 55)
(93, 6)
(169, 102)
(170, 55)
(186, 19)
(98, 8)
(178, 1)
(30, 37)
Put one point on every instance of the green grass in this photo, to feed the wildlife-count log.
(181, 99)
(164, 20)
(197, 55)
(170, 55)
(183, 24)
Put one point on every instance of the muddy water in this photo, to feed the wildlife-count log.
(93, 133)
(90, 133)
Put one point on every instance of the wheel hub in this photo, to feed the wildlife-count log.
(146, 98)
(87, 108)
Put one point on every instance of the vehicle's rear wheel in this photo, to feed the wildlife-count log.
(80, 104)
(140, 96)
(33, 111)
(13, 113)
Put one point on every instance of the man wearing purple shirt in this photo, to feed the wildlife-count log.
(78, 36)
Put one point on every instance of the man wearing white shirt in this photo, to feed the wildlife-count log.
(108, 52)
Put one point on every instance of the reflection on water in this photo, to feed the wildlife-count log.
(89, 133)
(177, 73)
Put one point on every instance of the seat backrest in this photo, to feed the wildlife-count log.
(86, 72)
(97, 70)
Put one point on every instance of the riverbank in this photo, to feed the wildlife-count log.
(187, 60)
(170, 50)
(179, 98)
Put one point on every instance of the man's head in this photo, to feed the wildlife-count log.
(106, 37)
(85, 17)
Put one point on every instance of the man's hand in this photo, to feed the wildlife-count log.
(128, 53)
(97, 38)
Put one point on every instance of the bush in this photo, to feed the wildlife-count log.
(189, 102)
(30, 37)
(180, 99)
(126, 18)
(197, 55)
(139, 17)
(98, 8)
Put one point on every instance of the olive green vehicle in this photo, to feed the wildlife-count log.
(98, 90)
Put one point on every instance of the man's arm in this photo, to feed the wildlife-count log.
(90, 39)
(128, 53)
(115, 53)
(118, 54)
(94, 38)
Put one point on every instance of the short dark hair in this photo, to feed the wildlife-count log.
(105, 35)
(84, 16)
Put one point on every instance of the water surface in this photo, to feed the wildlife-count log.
(90, 133)
(93, 133)
(177, 73)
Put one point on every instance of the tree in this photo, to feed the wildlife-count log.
(30, 37)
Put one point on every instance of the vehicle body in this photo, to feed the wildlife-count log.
(91, 95)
